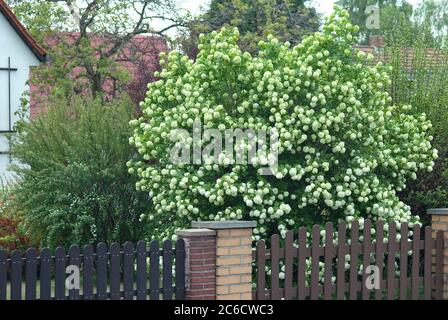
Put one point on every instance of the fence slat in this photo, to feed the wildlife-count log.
(354, 252)
(16, 275)
(427, 264)
(115, 276)
(301, 271)
(45, 274)
(3, 275)
(315, 244)
(167, 270)
(367, 243)
(154, 270)
(392, 249)
(403, 261)
(379, 256)
(87, 288)
(275, 259)
(101, 271)
(328, 260)
(261, 263)
(289, 262)
(75, 260)
(30, 274)
(128, 271)
(340, 277)
(439, 264)
(415, 261)
(59, 279)
(180, 269)
(141, 270)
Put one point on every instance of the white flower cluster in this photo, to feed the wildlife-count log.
(344, 148)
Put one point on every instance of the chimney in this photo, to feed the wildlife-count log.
(376, 41)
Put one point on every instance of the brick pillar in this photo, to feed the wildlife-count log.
(200, 247)
(439, 221)
(233, 258)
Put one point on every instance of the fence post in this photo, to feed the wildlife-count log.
(439, 221)
(200, 247)
(233, 258)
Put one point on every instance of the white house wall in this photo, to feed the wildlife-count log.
(22, 58)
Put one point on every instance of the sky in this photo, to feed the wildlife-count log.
(322, 6)
(325, 7)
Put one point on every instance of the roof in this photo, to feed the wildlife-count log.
(408, 56)
(38, 51)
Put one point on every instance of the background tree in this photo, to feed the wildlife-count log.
(433, 14)
(391, 12)
(84, 59)
(289, 20)
(41, 17)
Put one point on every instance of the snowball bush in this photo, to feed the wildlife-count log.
(345, 149)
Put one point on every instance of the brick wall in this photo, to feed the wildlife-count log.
(234, 264)
(200, 246)
(219, 260)
(439, 221)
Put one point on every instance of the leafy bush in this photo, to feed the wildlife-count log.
(12, 236)
(73, 181)
(345, 149)
(12, 233)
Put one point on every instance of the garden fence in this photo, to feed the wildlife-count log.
(116, 272)
(409, 267)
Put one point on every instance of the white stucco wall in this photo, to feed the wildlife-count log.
(22, 58)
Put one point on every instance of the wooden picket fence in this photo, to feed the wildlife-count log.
(118, 272)
(420, 273)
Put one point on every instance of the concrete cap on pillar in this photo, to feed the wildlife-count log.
(195, 232)
(231, 224)
(438, 211)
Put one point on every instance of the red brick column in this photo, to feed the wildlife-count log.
(233, 258)
(200, 246)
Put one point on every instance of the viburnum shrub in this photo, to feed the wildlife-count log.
(344, 149)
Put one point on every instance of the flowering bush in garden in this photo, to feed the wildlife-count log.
(344, 149)
(12, 234)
